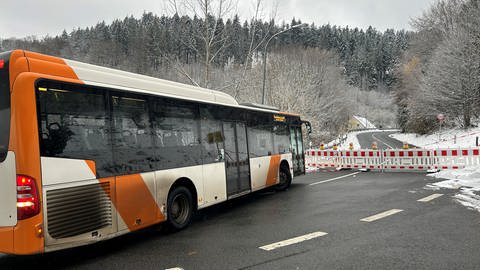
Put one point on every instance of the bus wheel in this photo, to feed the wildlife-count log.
(285, 180)
(179, 208)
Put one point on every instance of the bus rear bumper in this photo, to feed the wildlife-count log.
(26, 238)
(6, 240)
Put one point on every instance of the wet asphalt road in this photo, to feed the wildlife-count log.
(382, 138)
(439, 234)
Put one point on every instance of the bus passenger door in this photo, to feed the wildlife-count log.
(297, 150)
(236, 159)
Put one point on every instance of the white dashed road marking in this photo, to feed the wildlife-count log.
(381, 215)
(176, 268)
(293, 241)
(430, 198)
(333, 179)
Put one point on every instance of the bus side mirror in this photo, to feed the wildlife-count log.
(308, 126)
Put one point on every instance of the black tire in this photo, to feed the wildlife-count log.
(179, 208)
(285, 180)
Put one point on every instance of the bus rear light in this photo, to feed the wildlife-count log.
(2, 63)
(27, 197)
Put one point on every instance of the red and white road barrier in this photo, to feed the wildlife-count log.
(414, 159)
(393, 159)
(360, 159)
(455, 158)
(322, 158)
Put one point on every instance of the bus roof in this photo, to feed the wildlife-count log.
(128, 81)
(92, 74)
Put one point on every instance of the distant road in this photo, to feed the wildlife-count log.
(382, 138)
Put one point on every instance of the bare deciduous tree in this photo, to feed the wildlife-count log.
(212, 36)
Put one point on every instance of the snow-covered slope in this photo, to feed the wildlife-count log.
(452, 138)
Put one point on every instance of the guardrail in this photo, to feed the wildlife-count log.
(394, 160)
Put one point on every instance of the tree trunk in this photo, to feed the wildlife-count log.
(466, 115)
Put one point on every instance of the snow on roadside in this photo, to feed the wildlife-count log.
(351, 138)
(451, 138)
(467, 181)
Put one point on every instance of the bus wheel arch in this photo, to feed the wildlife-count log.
(181, 204)
(285, 177)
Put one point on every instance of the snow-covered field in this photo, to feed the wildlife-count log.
(452, 138)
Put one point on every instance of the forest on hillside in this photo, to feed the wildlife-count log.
(440, 72)
(327, 73)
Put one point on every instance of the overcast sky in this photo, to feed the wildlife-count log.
(22, 18)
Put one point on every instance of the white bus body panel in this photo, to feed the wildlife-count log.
(209, 181)
(8, 191)
(60, 171)
(214, 183)
(259, 170)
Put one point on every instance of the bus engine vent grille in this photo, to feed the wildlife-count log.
(77, 210)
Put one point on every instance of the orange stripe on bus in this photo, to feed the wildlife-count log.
(43, 57)
(135, 203)
(24, 61)
(6, 245)
(92, 166)
(18, 64)
(51, 68)
(273, 170)
(24, 142)
(289, 113)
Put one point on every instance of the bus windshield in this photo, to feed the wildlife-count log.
(4, 105)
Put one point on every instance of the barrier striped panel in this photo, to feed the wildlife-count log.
(455, 158)
(413, 159)
(322, 158)
(360, 159)
(392, 159)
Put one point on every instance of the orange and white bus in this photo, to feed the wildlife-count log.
(89, 153)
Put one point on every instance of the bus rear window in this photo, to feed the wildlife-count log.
(4, 105)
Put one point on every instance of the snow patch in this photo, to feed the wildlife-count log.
(467, 181)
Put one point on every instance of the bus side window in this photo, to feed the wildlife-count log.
(176, 126)
(281, 138)
(67, 121)
(132, 136)
(260, 136)
(211, 137)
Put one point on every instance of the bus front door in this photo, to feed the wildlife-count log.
(236, 159)
(297, 150)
